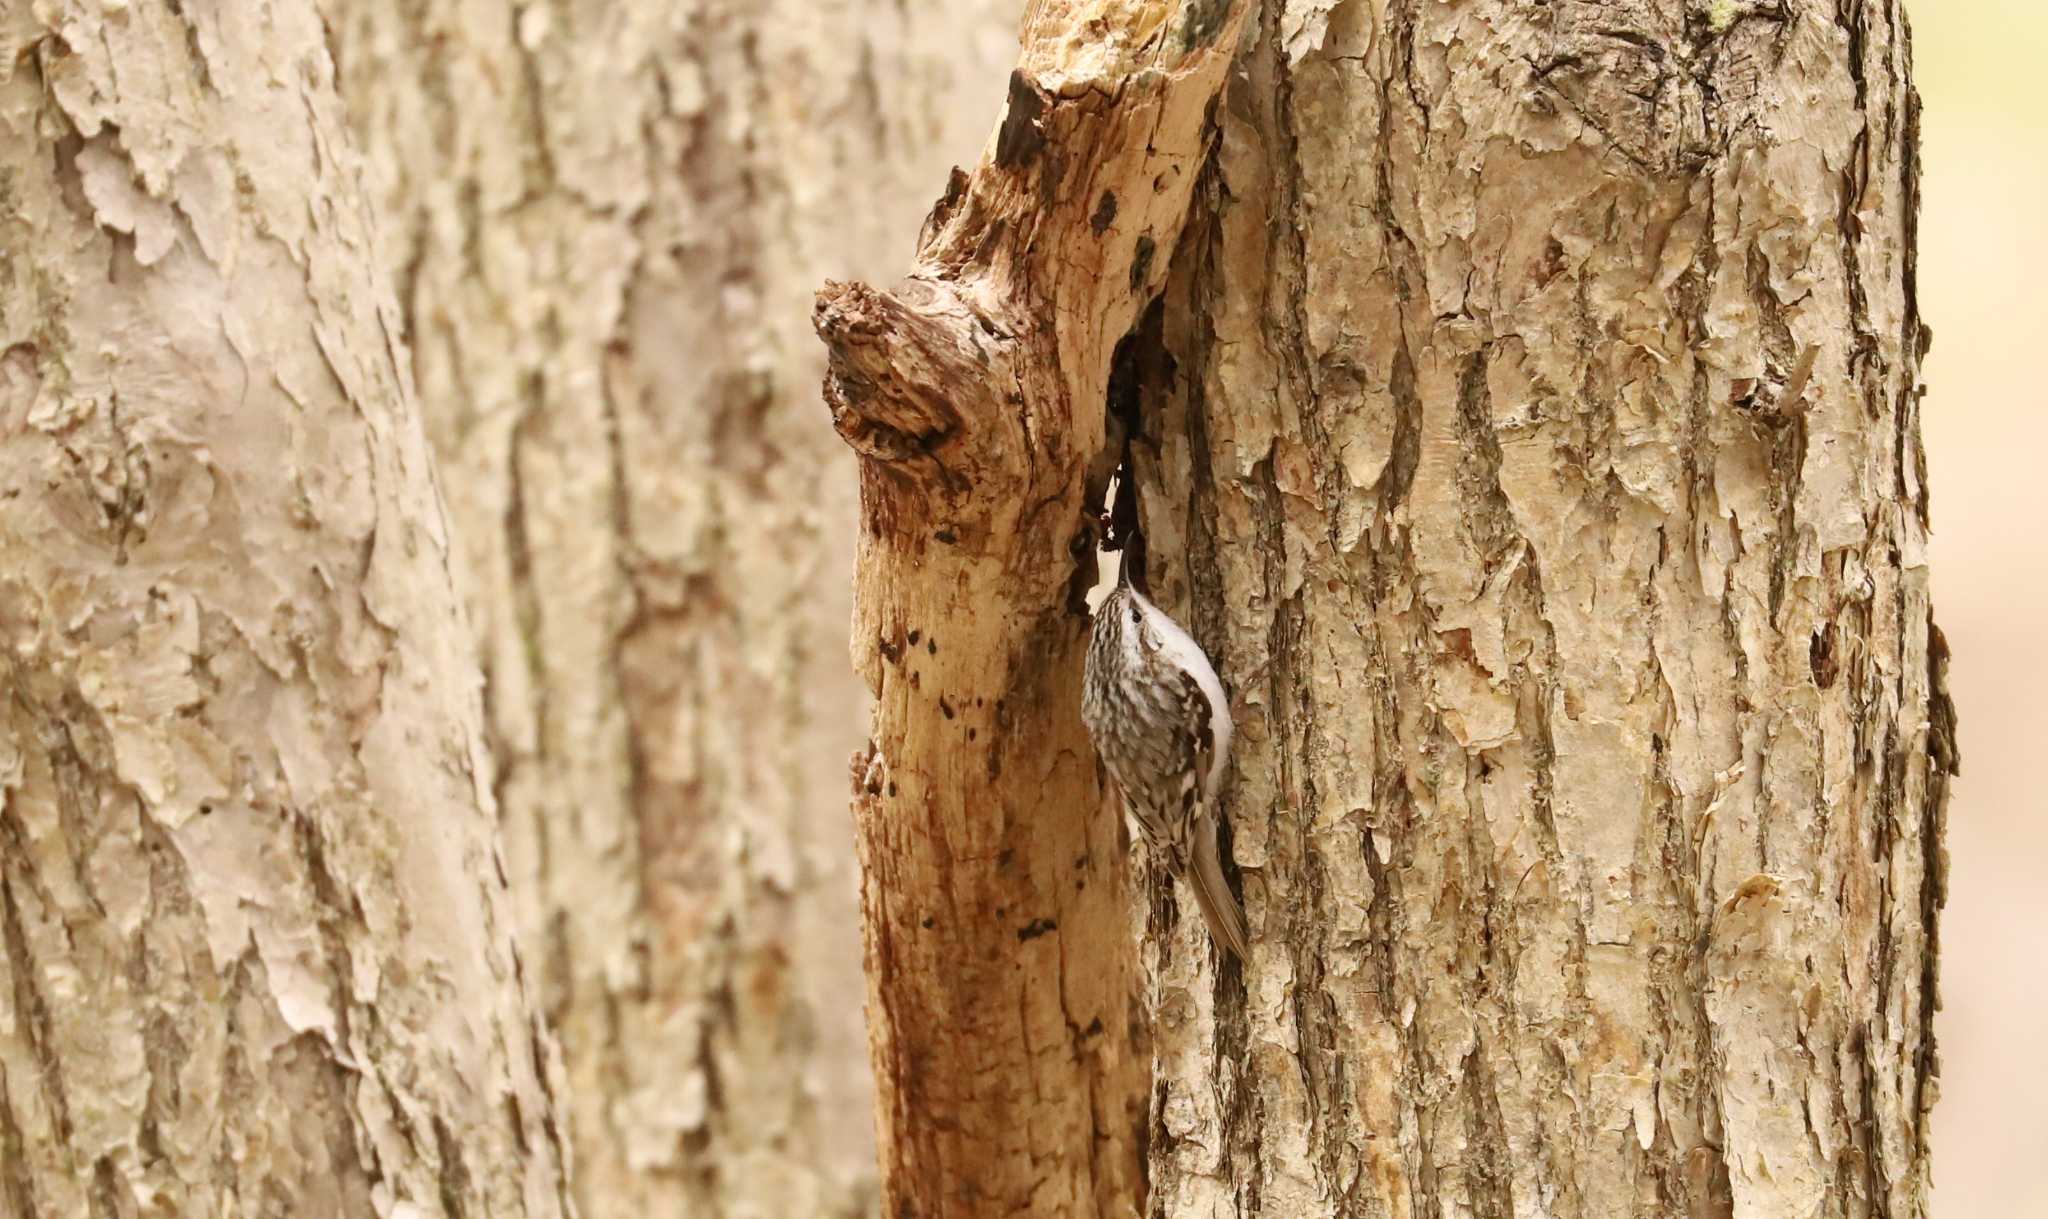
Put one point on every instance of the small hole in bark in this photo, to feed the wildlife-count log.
(1019, 139)
(1105, 213)
(1821, 655)
(1141, 263)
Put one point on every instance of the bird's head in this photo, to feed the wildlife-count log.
(1121, 614)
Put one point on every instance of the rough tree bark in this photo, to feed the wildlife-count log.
(608, 223)
(1538, 397)
(1000, 963)
(255, 943)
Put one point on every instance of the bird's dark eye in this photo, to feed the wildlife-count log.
(1134, 615)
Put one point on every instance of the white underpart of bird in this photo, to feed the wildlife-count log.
(1179, 649)
(1161, 722)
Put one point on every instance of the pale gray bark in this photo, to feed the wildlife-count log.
(608, 222)
(255, 942)
(1542, 409)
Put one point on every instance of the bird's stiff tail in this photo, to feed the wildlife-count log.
(1219, 909)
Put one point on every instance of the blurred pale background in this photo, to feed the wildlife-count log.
(1983, 72)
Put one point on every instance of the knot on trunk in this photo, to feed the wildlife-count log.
(899, 364)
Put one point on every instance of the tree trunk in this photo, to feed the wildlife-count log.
(999, 952)
(1537, 398)
(608, 222)
(255, 944)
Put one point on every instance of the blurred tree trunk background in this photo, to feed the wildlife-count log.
(606, 224)
(1539, 400)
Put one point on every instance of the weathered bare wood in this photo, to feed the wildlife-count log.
(999, 954)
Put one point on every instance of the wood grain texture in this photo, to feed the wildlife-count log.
(1006, 1045)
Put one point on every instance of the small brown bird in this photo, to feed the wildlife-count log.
(1158, 716)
